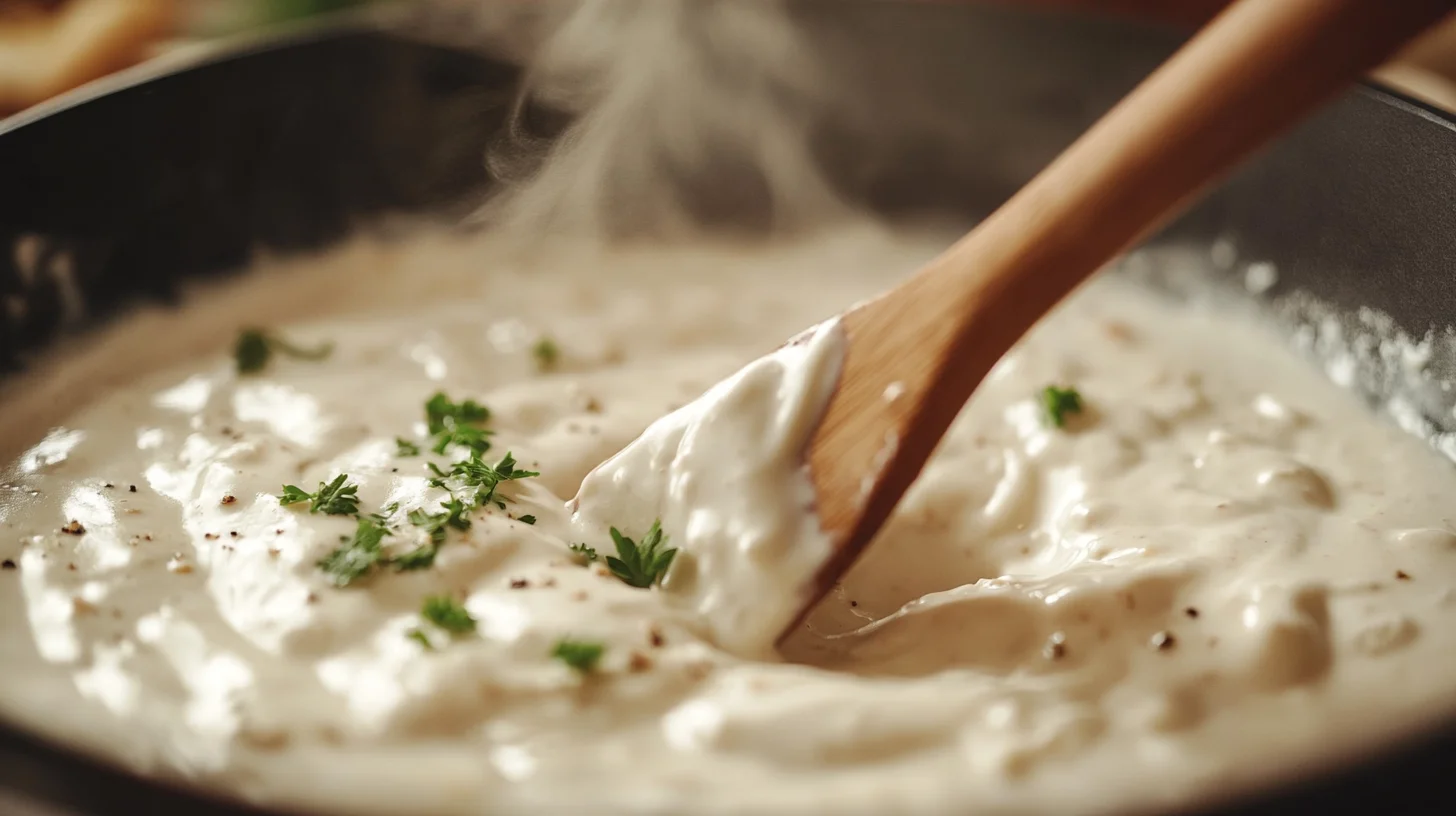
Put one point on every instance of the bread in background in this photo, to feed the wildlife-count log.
(48, 47)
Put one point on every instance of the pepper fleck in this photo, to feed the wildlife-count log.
(1056, 646)
(210, 536)
(519, 583)
(1163, 641)
(1191, 612)
(74, 528)
(654, 636)
(229, 499)
(7, 564)
(131, 488)
(1402, 575)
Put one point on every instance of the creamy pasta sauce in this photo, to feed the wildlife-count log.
(1219, 572)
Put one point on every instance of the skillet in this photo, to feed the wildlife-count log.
(163, 176)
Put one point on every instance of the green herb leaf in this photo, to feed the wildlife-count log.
(448, 614)
(583, 553)
(475, 473)
(336, 498)
(526, 519)
(421, 557)
(385, 512)
(255, 347)
(403, 447)
(641, 565)
(419, 637)
(437, 526)
(1057, 402)
(293, 494)
(358, 556)
(581, 655)
(441, 413)
(476, 440)
(546, 353)
(251, 351)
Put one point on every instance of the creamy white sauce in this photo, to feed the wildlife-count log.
(726, 475)
(1222, 572)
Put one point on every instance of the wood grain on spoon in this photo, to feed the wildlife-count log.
(1254, 71)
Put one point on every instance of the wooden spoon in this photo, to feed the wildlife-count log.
(1255, 70)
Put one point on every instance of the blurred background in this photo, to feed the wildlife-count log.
(48, 47)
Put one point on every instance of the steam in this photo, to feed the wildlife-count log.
(682, 113)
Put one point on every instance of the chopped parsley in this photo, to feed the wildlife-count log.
(583, 552)
(385, 512)
(546, 353)
(336, 498)
(641, 565)
(356, 557)
(448, 614)
(441, 413)
(476, 440)
(255, 347)
(581, 655)
(475, 473)
(457, 423)
(419, 637)
(1057, 402)
(471, 482)
(437, 525)
(451, 517)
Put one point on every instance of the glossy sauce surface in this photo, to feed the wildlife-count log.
(1221, 571)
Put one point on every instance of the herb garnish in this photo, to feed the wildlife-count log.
(581, 655)
(355, 558)
(448, 614)
(436, 525)
(477, 440)
(457, 423)
(484, 478)
(547, 353)
(441, 413)
(420, 638)
(526, 519)
(1057, 402)
(641, 565)
(403, 447)
(385, 512)
(337, 498)
(255, 347)
(585, 553)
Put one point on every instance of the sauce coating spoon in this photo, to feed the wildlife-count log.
(1254, 71)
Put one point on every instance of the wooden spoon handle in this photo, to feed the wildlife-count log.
(1253, 72)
